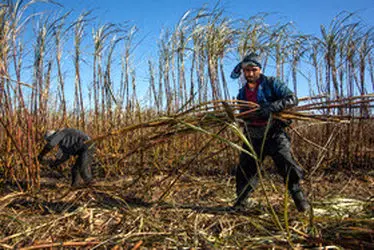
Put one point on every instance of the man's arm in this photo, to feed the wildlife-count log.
(44, 151)
(51, 143)
(277, 106)
(281, 104)
(285, 98)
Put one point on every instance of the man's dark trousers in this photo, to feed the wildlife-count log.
(82, 166)
(278, 146)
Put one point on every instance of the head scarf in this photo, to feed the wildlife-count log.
(251, 59)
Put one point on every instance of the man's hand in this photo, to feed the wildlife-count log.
(264, 111)
(42, 161)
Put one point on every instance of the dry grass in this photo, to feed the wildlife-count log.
(195, 214)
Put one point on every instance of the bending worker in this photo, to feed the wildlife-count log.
(71, 142)
(273, 96)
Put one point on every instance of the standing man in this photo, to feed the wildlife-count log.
(273, 96)
(71, 142)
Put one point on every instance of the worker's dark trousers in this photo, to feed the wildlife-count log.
(82, 166)
(278, 147)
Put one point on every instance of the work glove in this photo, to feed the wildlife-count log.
(43, 161)
(264, 111)
(277, 106)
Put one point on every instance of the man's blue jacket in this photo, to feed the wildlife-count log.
(273, 93)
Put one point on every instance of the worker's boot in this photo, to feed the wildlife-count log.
(242, 202)
(301, 202)
(244, 205)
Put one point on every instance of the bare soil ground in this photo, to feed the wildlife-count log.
(127, 213)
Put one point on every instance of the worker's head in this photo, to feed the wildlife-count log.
(251, 66)
(48, 134)
(252, 59)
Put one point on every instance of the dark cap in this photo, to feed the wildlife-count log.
(252, 59)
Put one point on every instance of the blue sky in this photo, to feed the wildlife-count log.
(151, 16)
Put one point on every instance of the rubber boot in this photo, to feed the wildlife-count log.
(301, 202)
(243, 193)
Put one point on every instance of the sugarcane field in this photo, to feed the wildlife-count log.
(232, 134)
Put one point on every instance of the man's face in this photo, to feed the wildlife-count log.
(251, 73)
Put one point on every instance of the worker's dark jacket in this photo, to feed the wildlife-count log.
(272, 90)
(70, 142)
